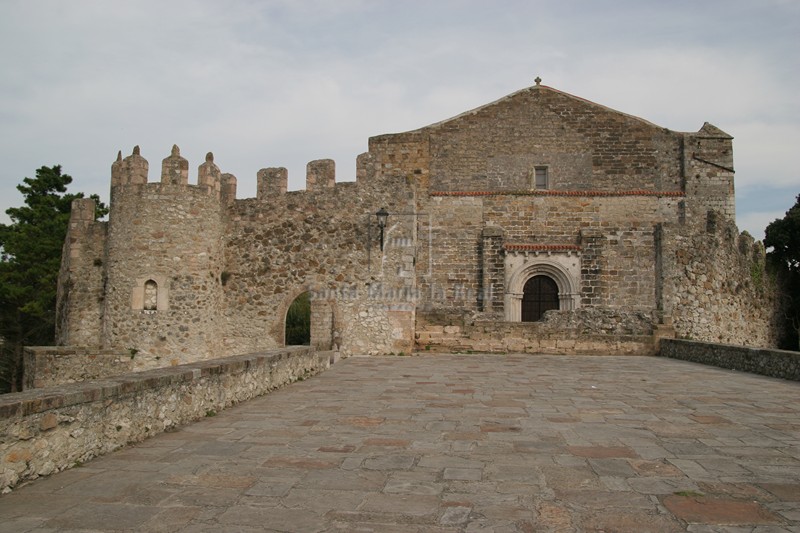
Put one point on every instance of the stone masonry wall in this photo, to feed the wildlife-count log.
(584, 331)
(615, 235)
(81, 278)
(325, 242)
(716, 287)
(774, 363)
(584, 146)
(44, 431)
(51, 366)
(449, 275)
(611, 179)
(172, 234)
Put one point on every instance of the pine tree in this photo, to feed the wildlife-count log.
(783, 236)
(30, 257)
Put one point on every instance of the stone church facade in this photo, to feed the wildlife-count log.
(539, 223)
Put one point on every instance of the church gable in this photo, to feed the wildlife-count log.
(569, 143)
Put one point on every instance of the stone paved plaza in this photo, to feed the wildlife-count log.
(450, 443)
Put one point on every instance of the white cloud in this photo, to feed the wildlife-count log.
(278, 83)
(755, 222)
(765, 154)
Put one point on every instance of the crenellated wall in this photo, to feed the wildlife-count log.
(181, 270)
(325, 242)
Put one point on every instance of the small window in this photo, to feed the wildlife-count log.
(540, 178)
(150, 296)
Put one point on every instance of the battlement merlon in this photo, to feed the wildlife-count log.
(82, 212)
(272, 182)
(208, 175)
(320, 175)
(174, 168)
(129, 171)
(228, 188)
(365, 167)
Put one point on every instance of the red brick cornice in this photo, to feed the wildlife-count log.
(542, 248)
(559, 193)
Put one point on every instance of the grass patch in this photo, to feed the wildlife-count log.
(689, 494)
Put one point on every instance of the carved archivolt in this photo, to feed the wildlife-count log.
(563, 268)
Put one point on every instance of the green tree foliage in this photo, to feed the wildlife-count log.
(783, 236)
(30, 257)
(298, 321)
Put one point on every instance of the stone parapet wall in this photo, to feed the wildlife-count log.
(584, 332)
(48, 366)
(601, 321)
(774, 363)
(44, 431)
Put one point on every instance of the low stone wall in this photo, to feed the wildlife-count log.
(515, 337)
(581, 332)
(43, 431)
(774, 363)
(48, 366)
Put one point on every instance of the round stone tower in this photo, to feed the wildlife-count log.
(163, 289)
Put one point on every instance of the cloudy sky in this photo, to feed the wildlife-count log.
(281, 82)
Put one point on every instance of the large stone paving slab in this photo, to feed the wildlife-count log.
(460, 443)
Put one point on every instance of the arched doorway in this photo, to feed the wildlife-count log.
(562, 272)
(298, 321)
(540, 294)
